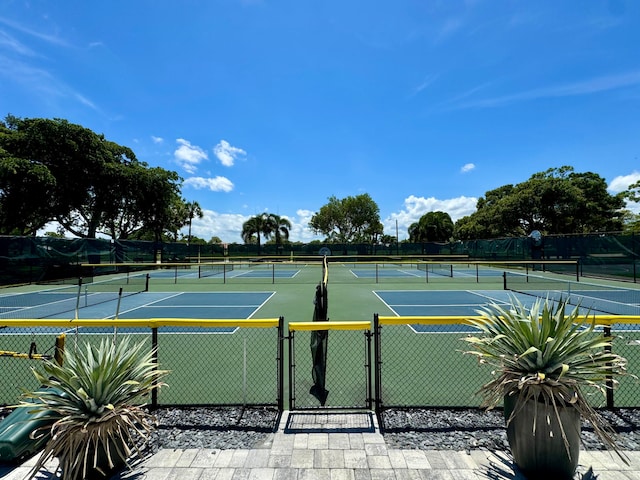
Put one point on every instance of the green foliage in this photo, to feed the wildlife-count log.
(26, 189)
(348, 220)
(545, 354)
(557, 201)
(96, 398)
(56, 170)
(265, 224)
(432, 227)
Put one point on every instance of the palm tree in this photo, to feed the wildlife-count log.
(432, 227)
(262, 224)
(193, 210)
(282, 226)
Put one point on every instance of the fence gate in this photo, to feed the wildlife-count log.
(330, 365)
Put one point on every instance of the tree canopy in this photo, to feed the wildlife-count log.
(53, 170)
(432, 227)
(348, 220)
(555, 201)
(265, 224)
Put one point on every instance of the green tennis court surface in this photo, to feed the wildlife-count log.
(238, 366)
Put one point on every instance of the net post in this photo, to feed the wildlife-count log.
(146, 282)
(504, 281)
(77, 311)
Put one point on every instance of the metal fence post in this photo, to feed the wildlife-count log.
(609, 381)
(280, 360)
(377, 369)
(292, 366)
(154, 346)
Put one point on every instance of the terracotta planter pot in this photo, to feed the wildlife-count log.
(543, 455)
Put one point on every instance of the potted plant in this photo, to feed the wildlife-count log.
(95, 403)
(546, 359)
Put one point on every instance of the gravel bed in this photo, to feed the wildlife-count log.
(440, 429)
(213, 427)
(428, 429)
(473, 429)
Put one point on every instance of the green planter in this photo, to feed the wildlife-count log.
(543, 455)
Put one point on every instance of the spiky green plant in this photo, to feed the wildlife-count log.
(548, 355)
(95, 399)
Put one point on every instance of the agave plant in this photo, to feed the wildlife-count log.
(95, 400)
(547, 354)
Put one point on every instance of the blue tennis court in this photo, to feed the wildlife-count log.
(424, 303)
(194, 305)
(467, 302)
(263, 273)
(425, 271)
(440, 302)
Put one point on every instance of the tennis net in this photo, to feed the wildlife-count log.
(601, 298)
(214, 269)
(444, 269)
(55, 301)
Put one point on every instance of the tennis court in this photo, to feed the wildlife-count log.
(230, 365)
(423, 271)
(222, 271)
(238, 356)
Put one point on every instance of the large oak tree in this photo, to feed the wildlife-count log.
(556, 201)
(348, 220)
(54, 170)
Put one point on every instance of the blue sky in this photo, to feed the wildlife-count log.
(276, 105)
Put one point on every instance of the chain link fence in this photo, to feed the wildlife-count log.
(218, 363)
(342, 378)
(399, 362)
(420, 363)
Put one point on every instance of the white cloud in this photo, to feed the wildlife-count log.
(467, 167)
(228, 226)
(14, 45)
(226, 153)
(189, 156)
(216, 184)
(300, 231)
(586, 87)
(415, 207)
(429, 79)
(622, 182)
(157, 140)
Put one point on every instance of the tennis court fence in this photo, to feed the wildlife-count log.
(391, 362)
